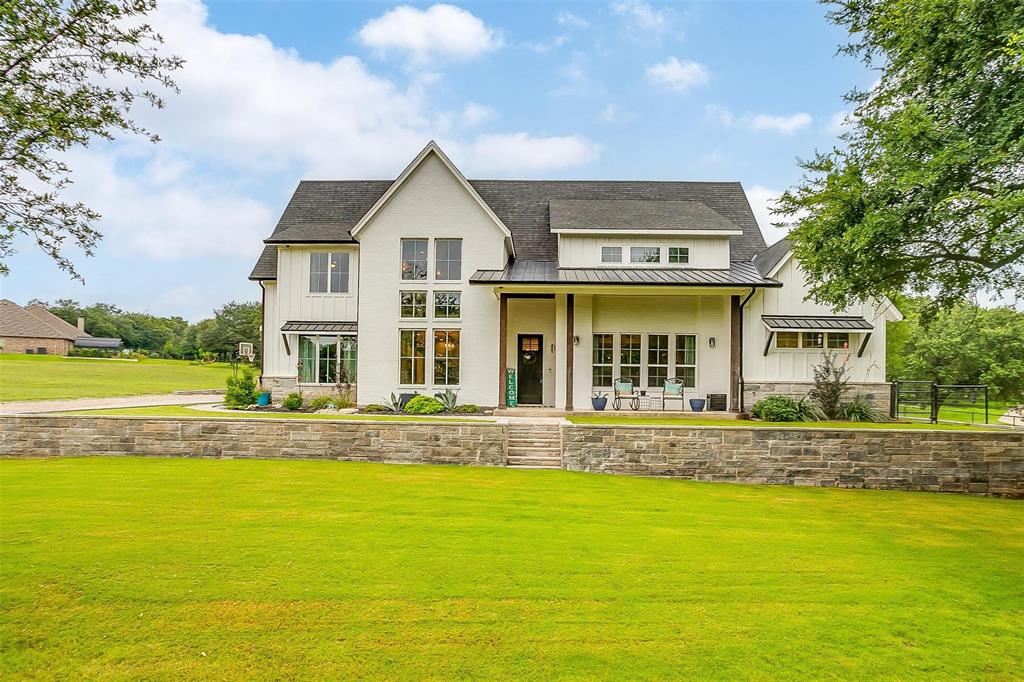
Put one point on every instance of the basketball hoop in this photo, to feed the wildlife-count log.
(245, 350)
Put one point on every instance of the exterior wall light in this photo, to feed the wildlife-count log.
(711, 342)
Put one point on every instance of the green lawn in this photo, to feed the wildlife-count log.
(970, 414)
(625, 420)
(51, 377)
(179, 411)
(131, 568)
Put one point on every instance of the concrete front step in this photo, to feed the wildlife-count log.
(535, 462)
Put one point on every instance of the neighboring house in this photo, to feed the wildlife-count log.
(34, 329)
(432, 281)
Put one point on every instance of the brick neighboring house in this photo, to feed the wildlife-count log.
(34, 329)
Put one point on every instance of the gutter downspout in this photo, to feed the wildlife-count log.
(743, 303)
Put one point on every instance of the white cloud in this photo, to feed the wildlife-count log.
(553, 44)
(643, 20)
(787, 125)
(838, 123)
(474, 114)
(762, 202)
(519, 153)
(438, 31)
(610, 114)
(570, 20)
(678, 75)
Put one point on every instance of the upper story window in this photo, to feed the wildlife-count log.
(413, 304)
(447, 304)
(678, 254)
(414, 259)
(611, 254)
(645, 254)
(448, 259)
(328, 273)
(838, 340)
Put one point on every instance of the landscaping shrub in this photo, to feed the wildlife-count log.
(376, 407)
(322, 402)
(777, 408)
(830, 379)
(468, 408)
(860, 409)
(423, 404)
(242, 389)
(292, 401)
(448, 399)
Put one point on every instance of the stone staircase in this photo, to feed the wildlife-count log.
(535, 446)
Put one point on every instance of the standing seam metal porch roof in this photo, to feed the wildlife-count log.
(816, 323)
(742, 274)
(319, 327)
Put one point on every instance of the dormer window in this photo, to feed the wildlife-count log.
(611, 254)
(678, 254)
(645, 254)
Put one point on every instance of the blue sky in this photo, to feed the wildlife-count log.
(273, 92)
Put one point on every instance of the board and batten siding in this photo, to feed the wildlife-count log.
(431, 204)
(798, 364)
(585, 251)
(289, 298)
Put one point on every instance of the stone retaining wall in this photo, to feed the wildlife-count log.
(989, 463)
(399, 442)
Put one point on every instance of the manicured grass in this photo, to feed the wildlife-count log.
(970, 414)
(626, 420)
(179, 411)
(233, 569)
(50, 377)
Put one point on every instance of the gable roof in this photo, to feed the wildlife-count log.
(768, 261)
(34, 321)
(637, 215)
(430, 149)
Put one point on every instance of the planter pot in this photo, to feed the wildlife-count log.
(697, 404)
(263, 399)
(599, 403)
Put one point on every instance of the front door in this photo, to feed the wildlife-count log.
(531, 369)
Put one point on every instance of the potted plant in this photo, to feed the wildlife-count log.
(697, 404)
(599, 401)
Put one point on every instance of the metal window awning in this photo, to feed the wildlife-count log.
(798, 323)
(319, 327)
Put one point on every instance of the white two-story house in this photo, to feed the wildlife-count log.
(543, 292)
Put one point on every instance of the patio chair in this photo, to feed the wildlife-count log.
(624, 389)
(673, 391)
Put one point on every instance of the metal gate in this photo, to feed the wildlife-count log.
(929, 401)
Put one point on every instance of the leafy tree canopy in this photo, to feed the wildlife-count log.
(926, 193)
(70, 72)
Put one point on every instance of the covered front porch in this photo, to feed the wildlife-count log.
(646, 350)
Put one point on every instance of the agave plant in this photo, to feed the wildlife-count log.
(448, 399)
(393, 403)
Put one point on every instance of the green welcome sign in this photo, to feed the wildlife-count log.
(511, 392)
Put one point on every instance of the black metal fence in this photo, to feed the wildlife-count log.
(929, 401)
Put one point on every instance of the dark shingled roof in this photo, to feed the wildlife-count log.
(844, 322)
(547, 272)
(326, 211)
(630, 214)
(766, 261)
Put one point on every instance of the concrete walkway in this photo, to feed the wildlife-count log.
(41, 406)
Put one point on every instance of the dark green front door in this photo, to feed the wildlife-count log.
(531, 369)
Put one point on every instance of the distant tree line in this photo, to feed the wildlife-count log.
(214, 338)
(964, 344)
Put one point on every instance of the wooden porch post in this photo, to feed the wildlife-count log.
(570, 349)
(734, 355)
(502, 346)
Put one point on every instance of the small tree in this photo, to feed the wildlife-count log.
(830, 385)
(242, 390)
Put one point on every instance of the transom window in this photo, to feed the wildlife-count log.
(328, 273)
(678, 254)
(447, 304)
(812, 340)
(448, 259)
(412, 356)
(838, 340)
(446, 357)
(657, 360)
(611, 254)
(787, 339)
(414, 304)
(629, 357)
(327, 359)
(604, 356)
(645, 254)
(414, 259)
(686, 360)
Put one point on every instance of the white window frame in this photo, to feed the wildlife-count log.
(447, 260)
(610, 249)
(338, 357)
(685, 255)
(647, 357)
(446, 359)
(674, 355)
(799, 341)
(413, 357)
(402, 259)
(610, 365)
(426, 304)
(640, 359)
(644, 262)
(334, 259)
(435, 306)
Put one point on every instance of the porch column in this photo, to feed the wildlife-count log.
(570, 348)
(502, 346)
(734, 353)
